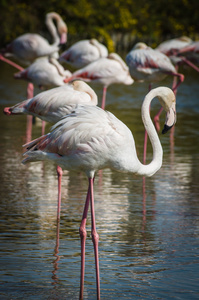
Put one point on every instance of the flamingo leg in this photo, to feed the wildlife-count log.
(11, 63)
(30, 94)
(157, 119)
(29, 129)
(83, 234)
(175, 84)
(104, 97)
(30, 90)
(43, 127)
(189, 63)
(59, 174)
(95, 237)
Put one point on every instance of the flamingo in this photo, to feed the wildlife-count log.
(45, 72)
(30, 46)
(83, 52)
(52, 105)
(176, 46)
(146, 64)
(191, 53)
(106, 71)
(167, 47)
(91, 139)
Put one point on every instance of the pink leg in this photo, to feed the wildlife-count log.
(174, 85)
(30, 94)
(11, 63)
(180, 79)
(59, 174)
(95, 237)
(104, 97)
(29, 129)
(30, 90)
(43, 127)
(83, 234)
(157, 118)
(189, 63)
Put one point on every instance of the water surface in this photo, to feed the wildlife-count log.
(149, 242)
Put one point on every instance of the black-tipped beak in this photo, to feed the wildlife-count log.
(170, 118)
(166, 128)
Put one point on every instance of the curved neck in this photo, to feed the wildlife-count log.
(92, 94)
(95, 43)
(52, 28)
(156, 162)
(84, 87)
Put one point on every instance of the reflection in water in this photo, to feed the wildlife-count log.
(57, 257)
(148, 243)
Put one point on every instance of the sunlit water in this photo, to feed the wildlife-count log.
(149, 241)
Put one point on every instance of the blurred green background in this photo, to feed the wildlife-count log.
(118, 24)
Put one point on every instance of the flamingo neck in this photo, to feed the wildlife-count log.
(52, 28)
(156, 163)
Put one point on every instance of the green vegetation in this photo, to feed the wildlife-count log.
(117, 23)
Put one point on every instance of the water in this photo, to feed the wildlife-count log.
(149, 243)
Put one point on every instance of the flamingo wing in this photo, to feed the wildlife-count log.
(85, 137)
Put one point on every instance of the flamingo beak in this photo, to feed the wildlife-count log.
(170, 119)
(63, 38)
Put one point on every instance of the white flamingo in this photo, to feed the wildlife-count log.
(45, 72)
(52, 105)
(106, 71)
(83, 52)
(90, 139)
(190, 53)
(169, 46)
(175, 48)
(30, 46)
(146, 64)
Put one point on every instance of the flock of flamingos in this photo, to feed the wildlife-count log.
(86, 137)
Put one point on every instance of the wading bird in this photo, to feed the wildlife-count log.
(30, 46)
(174, 47)
(52, 105)
(83, 52)
(190, 53)
(146, 64)
(169, 46)
(91, 139)
(106, 71)
(45, 72)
